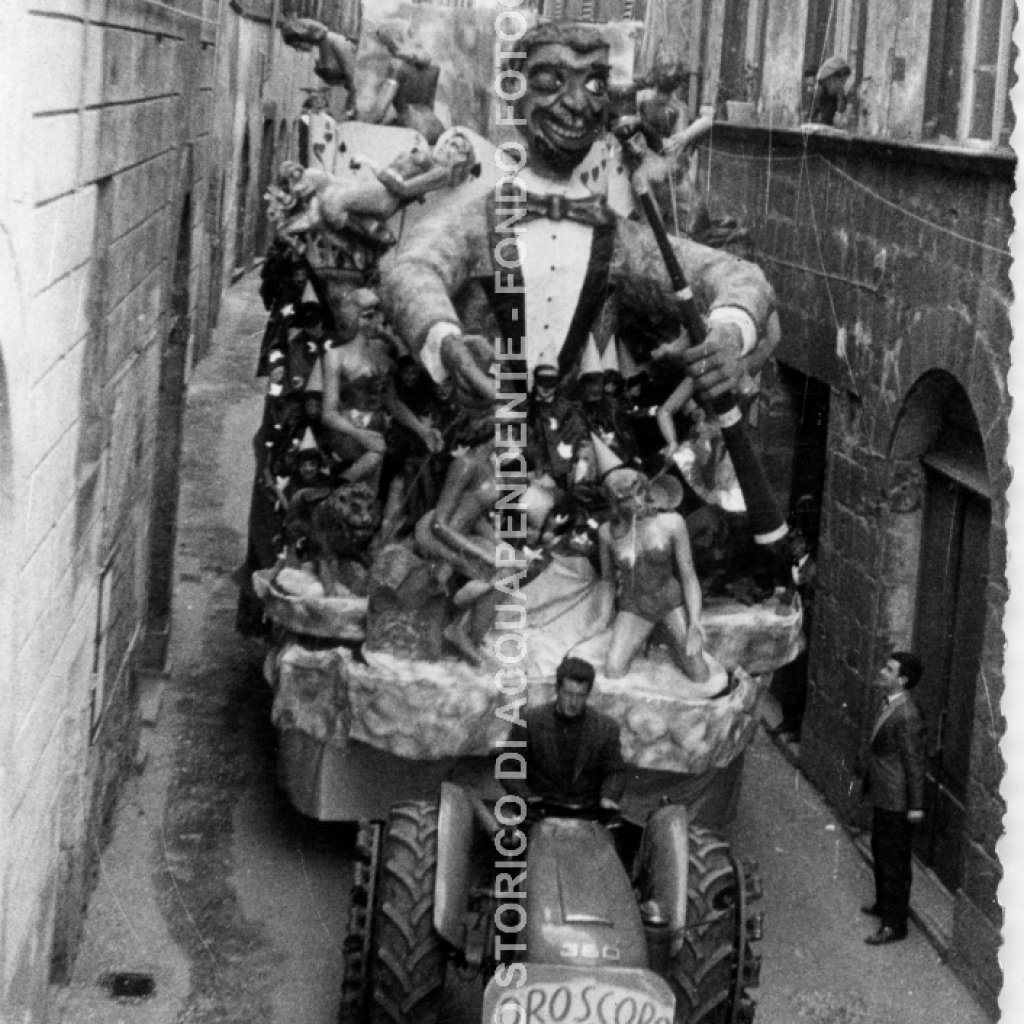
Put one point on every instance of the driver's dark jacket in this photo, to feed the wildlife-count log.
(599, 771)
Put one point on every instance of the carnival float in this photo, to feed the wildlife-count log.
(381, 566)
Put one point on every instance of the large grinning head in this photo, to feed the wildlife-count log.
(565, 104)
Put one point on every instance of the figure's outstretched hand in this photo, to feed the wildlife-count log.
(669, 460)
(373, 441)
(467, 357)
(715, 365)
(434, 440)
(694, 640)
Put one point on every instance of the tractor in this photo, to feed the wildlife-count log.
(577, 916)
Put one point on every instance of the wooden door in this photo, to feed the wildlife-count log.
(950, 626)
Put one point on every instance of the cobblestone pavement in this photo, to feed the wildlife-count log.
(816, 966)
(236, 905)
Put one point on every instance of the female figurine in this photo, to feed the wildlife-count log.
(359, 395)
(459, 534)
(659, 106)
(336, 55)
(306, 199)
(411, 470)
(411, 88)
(646, 553)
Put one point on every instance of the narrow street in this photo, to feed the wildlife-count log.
(236, 905)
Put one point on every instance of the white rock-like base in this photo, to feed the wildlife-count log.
(296, 601)
(432, 710)
(429, 711)
(564, 614)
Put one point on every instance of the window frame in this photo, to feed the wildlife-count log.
(944, 55)
(968, 89)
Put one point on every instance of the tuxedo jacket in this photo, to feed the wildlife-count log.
(599, 772)
(444, 272)
(896, 766)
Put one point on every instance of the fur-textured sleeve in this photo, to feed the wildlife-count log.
(718, 278)
(433, 263)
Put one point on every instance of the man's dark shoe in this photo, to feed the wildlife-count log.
(871, 909)
(884, 936)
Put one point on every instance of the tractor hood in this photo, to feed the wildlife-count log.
(580, 906)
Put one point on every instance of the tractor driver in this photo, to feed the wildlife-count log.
(573, 754)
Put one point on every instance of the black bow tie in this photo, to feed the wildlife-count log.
(593, 210)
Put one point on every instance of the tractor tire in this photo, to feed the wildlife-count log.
(407, 956)
(711, 963)
(355, 976)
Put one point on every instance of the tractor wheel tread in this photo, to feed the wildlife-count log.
(408, 957)
(705, 953)
(354, 982)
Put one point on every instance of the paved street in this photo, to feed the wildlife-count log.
(236, 904)
(816, 966)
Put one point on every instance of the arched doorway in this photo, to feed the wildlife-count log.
(941, 524)
(170, 416)
(283, 143)
(242, 205)
(267, 157)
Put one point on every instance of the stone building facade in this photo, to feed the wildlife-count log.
(887, 412)
(120, 139)
(145, 134)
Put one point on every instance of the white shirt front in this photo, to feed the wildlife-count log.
(553, 256)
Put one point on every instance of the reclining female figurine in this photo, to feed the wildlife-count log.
(410, 87)
(306, 199)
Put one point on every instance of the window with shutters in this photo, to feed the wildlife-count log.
(969, 74)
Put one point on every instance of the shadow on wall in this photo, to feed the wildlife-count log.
(10, 299)
(20, 987)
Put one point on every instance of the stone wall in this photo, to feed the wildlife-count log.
(891, 269)
(123, 122)
(106, 129)
(113, 136)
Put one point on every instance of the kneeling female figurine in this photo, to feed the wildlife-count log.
(645, 552)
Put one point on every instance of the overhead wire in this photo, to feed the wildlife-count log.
(867, 189)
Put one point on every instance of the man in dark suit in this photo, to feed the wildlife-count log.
(895, 784)
(573, 755)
